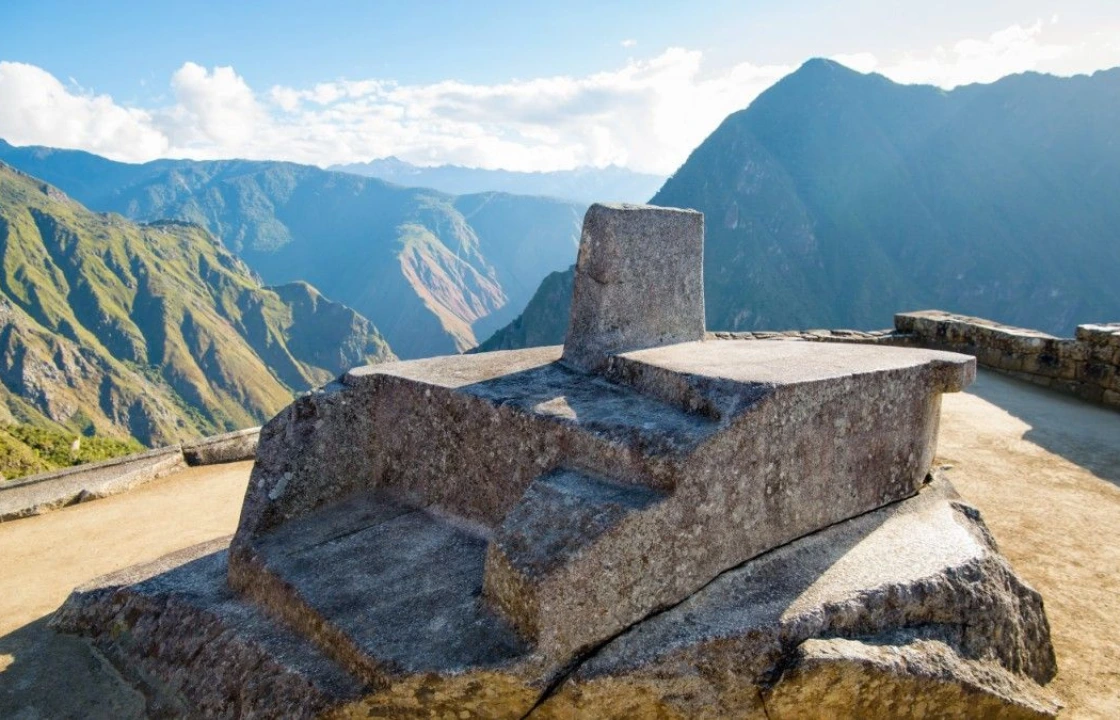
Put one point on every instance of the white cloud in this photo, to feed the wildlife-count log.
(628, 43)
(647, 115)
(37, 109)
(214, 109)
(1011, 50)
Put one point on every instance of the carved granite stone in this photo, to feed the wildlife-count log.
(503, 533)
(639, 282)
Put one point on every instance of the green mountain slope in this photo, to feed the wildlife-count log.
(837, 199)
(153, 332)
(434, 272)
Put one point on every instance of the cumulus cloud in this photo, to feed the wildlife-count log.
(37, 109)
(213, 108)
(647, 114)
(1014, 49)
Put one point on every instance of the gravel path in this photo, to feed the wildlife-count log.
(1044, 470)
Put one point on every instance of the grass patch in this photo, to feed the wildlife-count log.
(28, 449)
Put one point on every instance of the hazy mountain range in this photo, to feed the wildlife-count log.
(584, 185)
(434, 272)
(837, 199)
(156, 332)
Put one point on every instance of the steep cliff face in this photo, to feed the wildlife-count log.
(837, 199)
(544, 321)
(154, 332)
(436, 273)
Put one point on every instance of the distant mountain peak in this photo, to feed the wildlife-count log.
(582, 184)
(838, 198)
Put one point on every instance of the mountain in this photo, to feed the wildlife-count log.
(584, 185)
(544, 320)
(116, 330)
(837, 199)
(432, 271)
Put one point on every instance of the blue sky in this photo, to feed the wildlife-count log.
(497, 84)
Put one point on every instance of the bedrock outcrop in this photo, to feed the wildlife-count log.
(639, 524)
(908, 611)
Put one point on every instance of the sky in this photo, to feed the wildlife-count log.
(514, 85)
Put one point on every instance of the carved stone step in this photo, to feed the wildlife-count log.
(562, 533)
(386, 589)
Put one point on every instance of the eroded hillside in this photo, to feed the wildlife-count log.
(154, 332)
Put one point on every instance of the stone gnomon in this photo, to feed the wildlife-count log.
(480, 533)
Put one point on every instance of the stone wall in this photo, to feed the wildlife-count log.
(1087, 365)
(37, 494)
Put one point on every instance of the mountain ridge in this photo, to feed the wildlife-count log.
(838, 198)
(583, 184)
(150, 331)
(405, 258)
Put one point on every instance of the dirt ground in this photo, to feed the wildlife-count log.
(1043, 469)
(44, 676)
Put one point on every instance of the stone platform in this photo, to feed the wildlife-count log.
(495, 534)
(905, 612)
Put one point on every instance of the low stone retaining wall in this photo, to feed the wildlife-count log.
(37, 494)
(230, 447)
(1087, 365)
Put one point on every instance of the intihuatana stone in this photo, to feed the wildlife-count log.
(639, 282)
(617, 526)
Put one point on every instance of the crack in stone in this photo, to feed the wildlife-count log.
(580, 660)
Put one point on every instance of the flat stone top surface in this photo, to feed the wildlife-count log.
(781, 362)
(456, 371)
(534, 382)
(771, 362)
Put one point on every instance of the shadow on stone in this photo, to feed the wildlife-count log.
(47, 675)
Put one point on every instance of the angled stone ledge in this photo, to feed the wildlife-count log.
(177, 632)
(920, 580)
(559, 546)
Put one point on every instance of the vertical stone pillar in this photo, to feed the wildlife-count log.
(639, 282)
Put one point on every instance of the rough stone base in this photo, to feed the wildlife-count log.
(907, 611)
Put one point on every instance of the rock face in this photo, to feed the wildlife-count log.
(628, 254)
(508, 534)
(908, 611)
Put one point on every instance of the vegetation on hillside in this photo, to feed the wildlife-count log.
(28, 449)
(150, 332)
(435, 273)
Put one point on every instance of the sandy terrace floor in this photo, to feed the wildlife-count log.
(1043, 469)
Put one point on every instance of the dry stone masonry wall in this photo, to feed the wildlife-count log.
(1087, 365)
